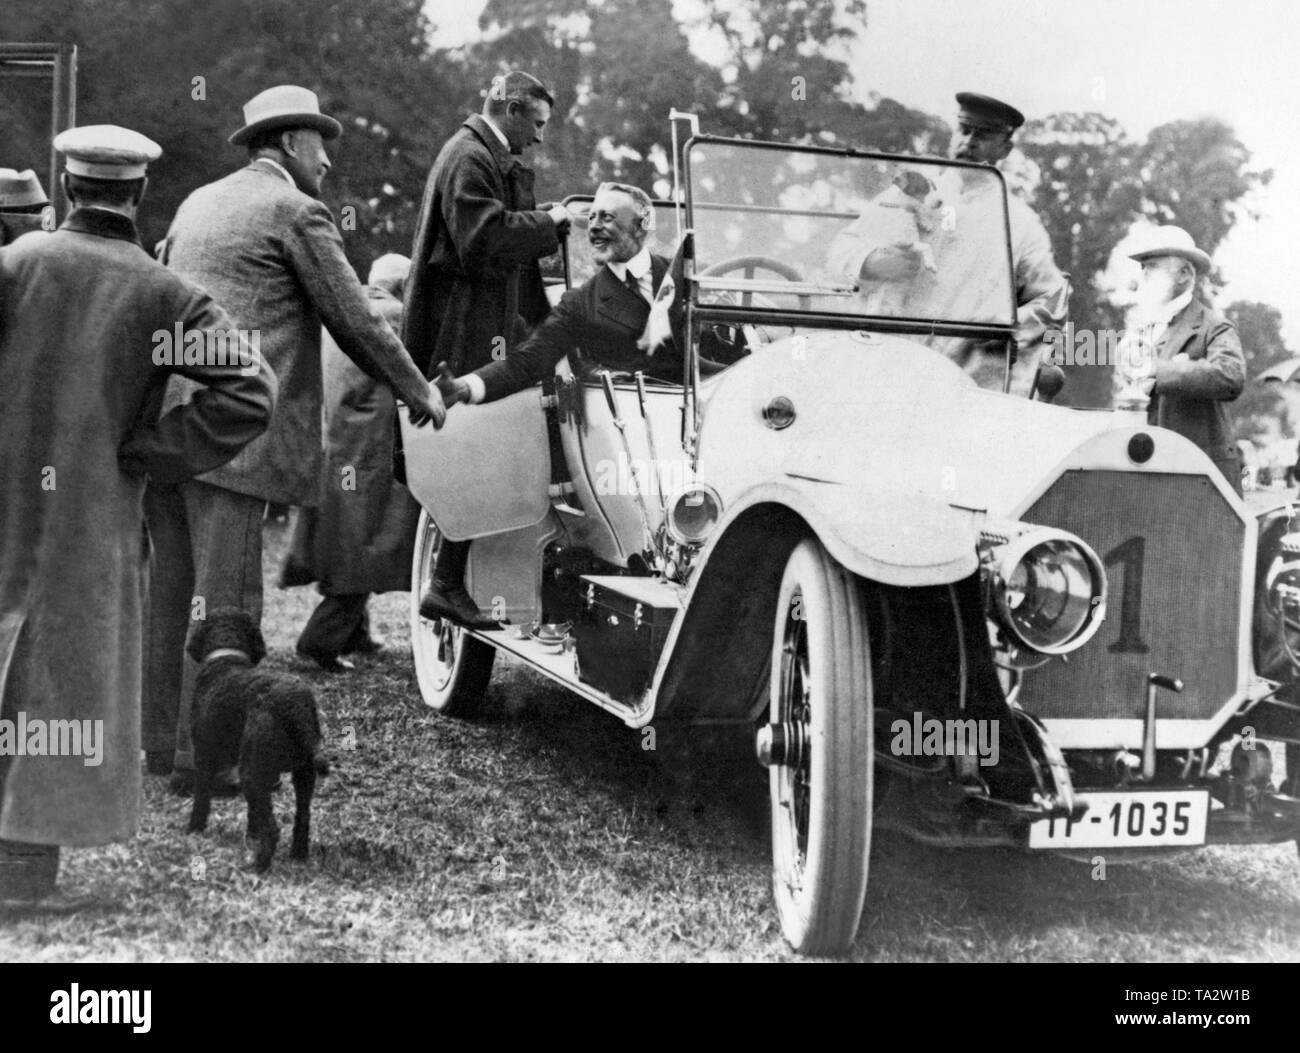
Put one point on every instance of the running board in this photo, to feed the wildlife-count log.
(560, 667)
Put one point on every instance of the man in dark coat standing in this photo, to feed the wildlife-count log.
(88, 327)
(1196, 360)
(360, 538)
(262, 243)
(475, 286)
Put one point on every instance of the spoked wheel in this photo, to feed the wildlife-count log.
(818, 750)
(452, 667)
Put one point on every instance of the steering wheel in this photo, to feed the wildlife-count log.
(749, 264)
(754, 334)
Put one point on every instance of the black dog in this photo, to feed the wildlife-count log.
(267, 722)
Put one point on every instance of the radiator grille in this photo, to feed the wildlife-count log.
(1173, 553)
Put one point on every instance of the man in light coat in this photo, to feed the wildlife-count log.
(87, 327)
(262, 243)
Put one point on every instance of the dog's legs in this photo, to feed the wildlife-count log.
(304, 784)
(202, 799)
(262, 830)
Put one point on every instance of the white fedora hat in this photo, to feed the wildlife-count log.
(285, 106)
(1171, 241)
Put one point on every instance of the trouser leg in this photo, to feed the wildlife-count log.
(171, 586)
(226, 532)
(335, 625)
(449, 569)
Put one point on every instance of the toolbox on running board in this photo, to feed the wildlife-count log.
(620, 631)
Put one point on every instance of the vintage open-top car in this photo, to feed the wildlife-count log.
(938, 606)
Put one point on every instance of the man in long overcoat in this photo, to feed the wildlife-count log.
(476, 287)
(87, 324)
(264, 245)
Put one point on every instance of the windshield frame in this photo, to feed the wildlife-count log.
(733, 315)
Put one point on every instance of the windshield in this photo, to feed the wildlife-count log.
(809, 231)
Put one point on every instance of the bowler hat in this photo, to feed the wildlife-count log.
(1171, 241)
(285, 106)
(20, 189)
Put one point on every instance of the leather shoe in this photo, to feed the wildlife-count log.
(454, 603)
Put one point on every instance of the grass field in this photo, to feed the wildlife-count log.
(545, 832)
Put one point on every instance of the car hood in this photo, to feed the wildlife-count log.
(883, 415)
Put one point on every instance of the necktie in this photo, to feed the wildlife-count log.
(630, 280)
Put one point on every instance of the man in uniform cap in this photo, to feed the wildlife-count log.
(23, 204)
(86, 317)
(264, 245)
(985, 127)
(1186, 355)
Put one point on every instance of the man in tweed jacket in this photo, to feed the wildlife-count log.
(268, 251)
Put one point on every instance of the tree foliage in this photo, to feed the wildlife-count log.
(778, 71)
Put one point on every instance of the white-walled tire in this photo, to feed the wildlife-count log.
(821, 791)
(453, 668)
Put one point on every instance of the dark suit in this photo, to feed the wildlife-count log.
(601, 320)
(475, 286)
(1191, 397)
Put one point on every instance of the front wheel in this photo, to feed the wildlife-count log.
(818, 748)
(453, 668)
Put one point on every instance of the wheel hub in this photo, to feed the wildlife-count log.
(781, 745)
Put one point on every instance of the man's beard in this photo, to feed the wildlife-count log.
(1154, 294)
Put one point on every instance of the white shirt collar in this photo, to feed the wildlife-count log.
(497, 131)
(639, 265)
(278, 168)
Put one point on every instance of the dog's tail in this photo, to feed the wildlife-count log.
(298, 717)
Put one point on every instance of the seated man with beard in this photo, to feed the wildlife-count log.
(600, 322)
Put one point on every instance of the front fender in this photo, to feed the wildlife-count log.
(884, 536)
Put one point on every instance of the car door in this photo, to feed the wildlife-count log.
(486, 470)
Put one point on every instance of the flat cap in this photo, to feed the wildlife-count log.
(988, 112)
(20, 189)
(106, 151)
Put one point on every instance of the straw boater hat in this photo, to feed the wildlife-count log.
(285, 106)
(20, 190)
(1171, 241)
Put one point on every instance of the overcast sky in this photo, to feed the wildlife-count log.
(1144, 64)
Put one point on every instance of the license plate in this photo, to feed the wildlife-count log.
(1138, 819)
